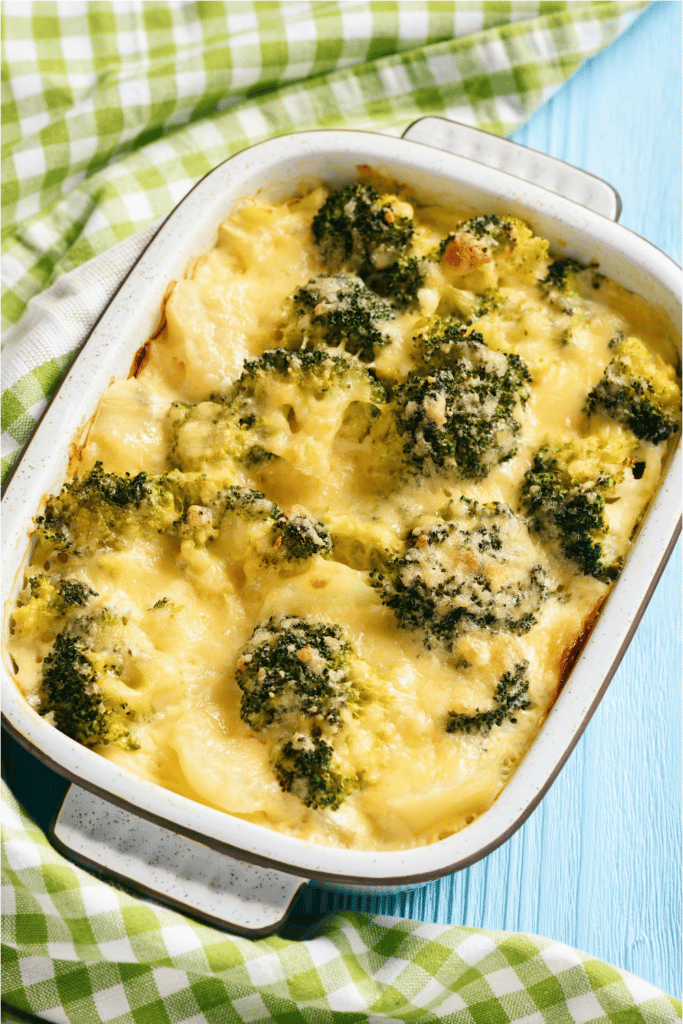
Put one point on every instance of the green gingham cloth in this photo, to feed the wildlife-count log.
(111, 113)
(79, 950)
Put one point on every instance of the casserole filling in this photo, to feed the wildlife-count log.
(327, 557)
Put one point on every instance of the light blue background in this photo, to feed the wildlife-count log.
(597, 865)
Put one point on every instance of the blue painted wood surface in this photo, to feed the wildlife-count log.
(597, 865)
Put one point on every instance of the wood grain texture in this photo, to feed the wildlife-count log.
(597, 865)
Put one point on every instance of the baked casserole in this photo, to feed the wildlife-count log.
(327, 556)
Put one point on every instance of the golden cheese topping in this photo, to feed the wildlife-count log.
(328, 556)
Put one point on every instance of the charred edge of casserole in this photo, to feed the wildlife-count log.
(142, 355)
(75, 457)
(571, 653)
(569, 657)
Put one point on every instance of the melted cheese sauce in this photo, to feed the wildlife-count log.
(420, 782)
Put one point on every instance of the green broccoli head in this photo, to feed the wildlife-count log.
(459, 415)
(400, 282)
(45, 602)
(560, 283)
(81, 682)
(298, 682)
(254, 532)
(303, 536)
(306, 769)
(58, 594)
(98, 509)
(355, 229)
(440, 342)
(339, 311)
(491, 231)
(458, 310)
(313, 370)
(561, 274)
(295, 668)
(204, 518)
(564, 494)
(247, 504)
(477, 568)
(294, 534)
(634, 391)
(493, 245)
(286, 404)
(510, 697)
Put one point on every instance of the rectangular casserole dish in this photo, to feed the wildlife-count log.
(278, 168)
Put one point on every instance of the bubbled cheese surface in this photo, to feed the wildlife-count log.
(421, 783)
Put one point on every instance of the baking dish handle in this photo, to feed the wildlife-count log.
(172, 869)
(520, 161)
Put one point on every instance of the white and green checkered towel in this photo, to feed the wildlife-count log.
(77, 950)
(111, 112)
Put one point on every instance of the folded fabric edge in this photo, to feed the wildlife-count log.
(547, 45)
(46, 897)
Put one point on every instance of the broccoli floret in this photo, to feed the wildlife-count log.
(474, 243)
(308, 773)
(58, 594)
(79, 686)
(286, 404)
(425, 411)
(511, 696)
(295, 667)
(491, 231)
(630, 400)
(459, 417)
(95, 510)
(294, 533)
(356, 229)
(398, 283)
(496, 246)
(297, 680)
(254, 531)
(247, 503)
(564, 494)
(489, 228)
(314, 370)
(560, 283)
(633, 391)
(458, 309)
(439, 342)
(44, 603)
(477, 568)
(561, 273)
(505, 244)
(340, 311)
(303, 535)
(203, 522)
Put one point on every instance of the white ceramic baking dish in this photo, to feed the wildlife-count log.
(229, 871)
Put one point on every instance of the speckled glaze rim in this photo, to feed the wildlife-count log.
(154, 862)
(278, 166)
